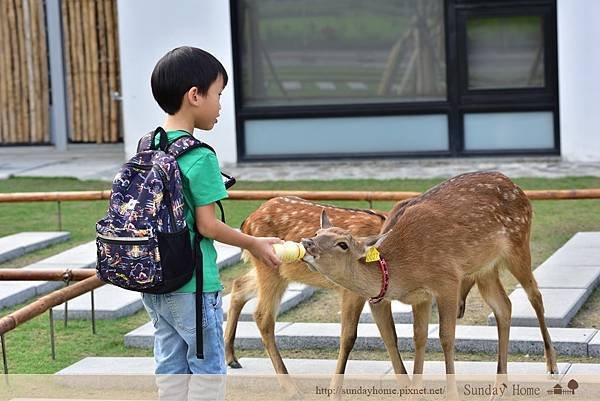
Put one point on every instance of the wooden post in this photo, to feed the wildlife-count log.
(44, 86)
(4, 364)
(103, 74)
(113, 66)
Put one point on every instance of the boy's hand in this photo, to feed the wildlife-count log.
(262, 248)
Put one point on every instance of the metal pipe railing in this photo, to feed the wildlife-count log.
(310, 195)
(47, 302)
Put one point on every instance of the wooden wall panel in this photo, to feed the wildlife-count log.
(92, 69)
(24, 100)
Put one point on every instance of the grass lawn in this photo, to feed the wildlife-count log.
(29, 346)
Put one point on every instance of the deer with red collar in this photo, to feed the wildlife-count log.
(460, 232)
(292, 218)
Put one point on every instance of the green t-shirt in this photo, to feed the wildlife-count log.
(202, 185)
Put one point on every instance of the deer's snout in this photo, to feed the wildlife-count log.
(309, 245)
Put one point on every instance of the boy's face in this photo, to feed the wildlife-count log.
(206, 110)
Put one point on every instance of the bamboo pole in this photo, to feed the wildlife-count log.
(87, 95)
(3, 78)
(46, 275)
(24, 95)
(14, 71)
(68, 60)
(40, 306)
(103, 74)
(44, 70)
(310, 195)
(78, 22)
(31, 109)
(92, 45)
(75, 36)
(113, 67)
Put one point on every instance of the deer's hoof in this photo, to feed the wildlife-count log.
(235, 364)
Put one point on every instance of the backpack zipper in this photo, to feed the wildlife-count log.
(122, 240)
(140, 166)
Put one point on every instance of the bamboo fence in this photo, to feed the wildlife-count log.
(92, 69)
(24, 86)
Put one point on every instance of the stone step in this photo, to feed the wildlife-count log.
(566, 280)
(526, 340)
(259, 366)
(111, 302)
(402, 313)
(15, 292)
(13, 246)
(295, 294)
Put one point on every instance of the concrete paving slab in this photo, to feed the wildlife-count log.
(560, 305)
(79, 257)
(227, 255)
(110, 302)
(567, 255)
(402, 313)
(594, 346)
(584, 239)
(13, 246)
(248, 336)
(294, 295)
(327, 335)
(550, 275)
(484, 368)
(584, 369)
(15, 292)
(256, 366)
(101, 161)
(522, 340)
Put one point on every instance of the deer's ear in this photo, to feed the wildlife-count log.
(372, 242)
(325, 223)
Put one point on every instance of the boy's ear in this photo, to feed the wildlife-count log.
(193, 96)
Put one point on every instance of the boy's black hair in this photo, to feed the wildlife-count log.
(180, 70)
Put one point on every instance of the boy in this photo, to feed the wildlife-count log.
(187, 84)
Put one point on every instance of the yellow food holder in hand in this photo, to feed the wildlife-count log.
(289, 251)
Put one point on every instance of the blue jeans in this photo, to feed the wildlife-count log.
(174, 318)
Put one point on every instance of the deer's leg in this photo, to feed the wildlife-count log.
(493, 293)
(351, 305)
(465, 286)
(519, 265)
(270, 292)
(382, 314)
(447, 303)
(242, 290)
(421, 315)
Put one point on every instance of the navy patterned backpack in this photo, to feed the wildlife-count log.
(143, 243)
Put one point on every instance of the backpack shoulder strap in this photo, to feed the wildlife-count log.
(147, 141)
(184, 144)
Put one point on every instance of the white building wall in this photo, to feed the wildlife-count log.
(579, 79)
(150, 28)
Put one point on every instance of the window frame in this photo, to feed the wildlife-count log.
(457, 103)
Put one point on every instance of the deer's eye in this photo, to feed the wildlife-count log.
(342, 245)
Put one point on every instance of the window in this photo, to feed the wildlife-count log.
(307, 52)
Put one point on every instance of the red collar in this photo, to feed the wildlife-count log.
(385, 281)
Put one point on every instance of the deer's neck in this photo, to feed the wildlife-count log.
(366, 279)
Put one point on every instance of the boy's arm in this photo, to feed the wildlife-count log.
(210, 227)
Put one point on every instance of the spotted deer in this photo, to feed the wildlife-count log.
(292, 218)
(460, 232)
